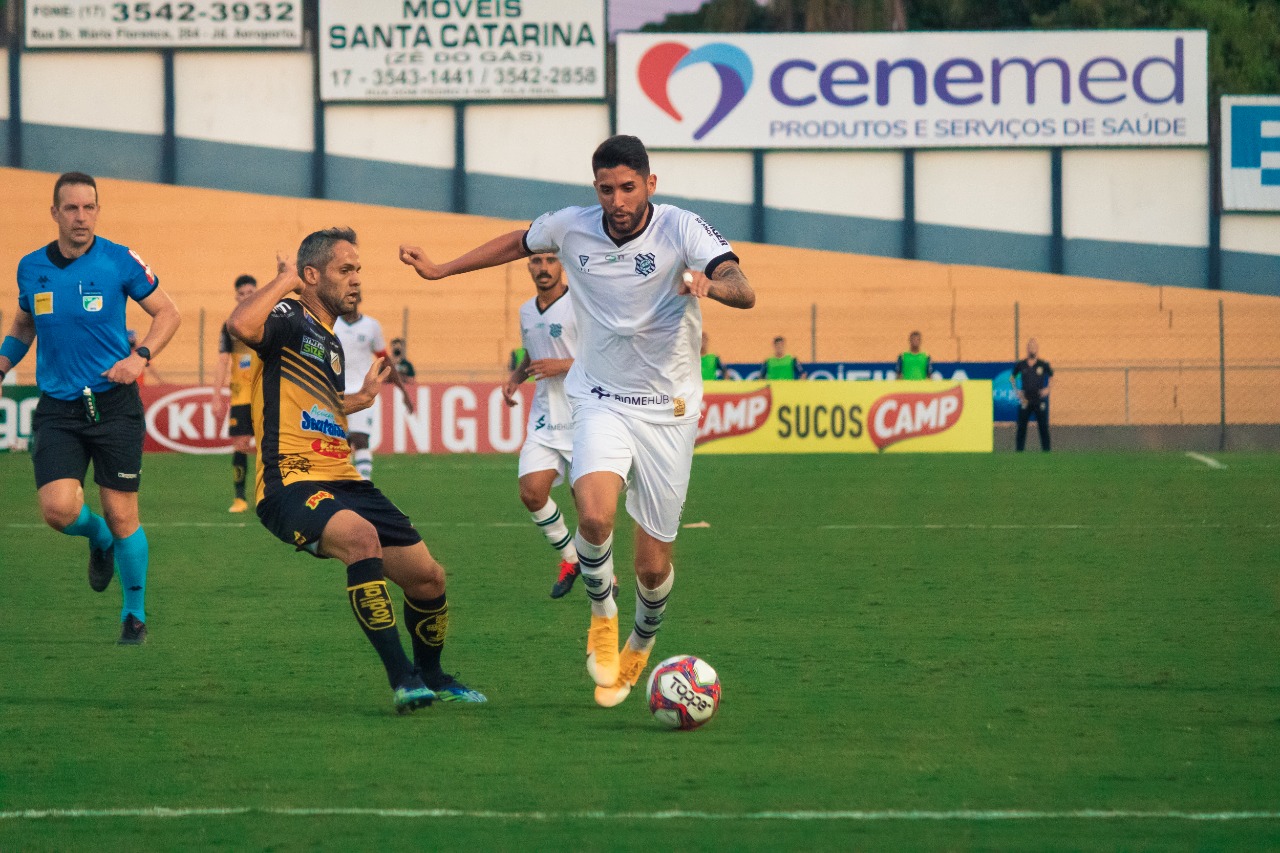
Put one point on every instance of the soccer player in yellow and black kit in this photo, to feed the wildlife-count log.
(309, 492)
(239, 363)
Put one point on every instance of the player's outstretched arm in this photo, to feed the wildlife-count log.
(249, 319)
(498, 251)
(165, 320)
(22, 332)
(728, 285)
(378, 373)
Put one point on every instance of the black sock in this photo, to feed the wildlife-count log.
(239, 464)
(367, 591)
(428, 622)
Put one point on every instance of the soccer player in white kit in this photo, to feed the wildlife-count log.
(362, 342)
(549, 335)
(636, 386)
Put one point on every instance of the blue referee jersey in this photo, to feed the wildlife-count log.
(79, 309)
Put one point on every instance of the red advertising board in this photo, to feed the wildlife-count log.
(466, 417)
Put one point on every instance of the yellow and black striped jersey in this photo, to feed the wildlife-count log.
(243, 366)
(298, 420)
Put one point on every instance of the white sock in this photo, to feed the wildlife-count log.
(363, 460)
(650, 604)
(557, 532)
(596, 563)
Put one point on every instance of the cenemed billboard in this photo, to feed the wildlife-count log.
(910, 90)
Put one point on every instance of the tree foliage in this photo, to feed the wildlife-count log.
(1244, 36)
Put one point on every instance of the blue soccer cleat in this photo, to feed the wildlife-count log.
(450, 689)
(412, 694)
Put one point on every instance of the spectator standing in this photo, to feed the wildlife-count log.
(1031, 380)
(781, 366)
(914, 364)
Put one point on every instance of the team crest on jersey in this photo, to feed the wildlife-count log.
(556, 330)
(645, 264)
(92, 302)
(335, 361)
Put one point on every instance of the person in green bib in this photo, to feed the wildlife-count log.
(712, 366)
(781, 366)
(914, 364)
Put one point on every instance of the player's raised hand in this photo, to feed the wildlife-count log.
(414, 256)
(378, 373)
(694, 284)
(285, 268)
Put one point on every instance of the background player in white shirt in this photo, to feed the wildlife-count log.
(549, 335)
(362, 342)
(635, 387)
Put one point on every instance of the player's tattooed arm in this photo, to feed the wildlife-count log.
(729, 286)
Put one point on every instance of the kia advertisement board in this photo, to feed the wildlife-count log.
(915, 90)
(846, 417)
(447, 418)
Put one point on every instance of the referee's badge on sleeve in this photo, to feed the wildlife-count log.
(44, 302)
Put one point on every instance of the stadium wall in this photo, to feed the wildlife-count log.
(249, 121)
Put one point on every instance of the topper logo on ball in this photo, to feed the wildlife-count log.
(663, 61)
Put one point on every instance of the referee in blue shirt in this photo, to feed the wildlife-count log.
(72, 293)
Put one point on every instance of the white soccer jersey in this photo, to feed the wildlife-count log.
(552, 333)
(360, 341)
(638, 338)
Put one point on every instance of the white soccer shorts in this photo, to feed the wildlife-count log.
(535, 456)
(362, 421)
(653, 459)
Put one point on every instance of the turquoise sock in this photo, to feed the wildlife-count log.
(92, 526)
(131, 561)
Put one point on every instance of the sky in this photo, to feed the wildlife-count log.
(633, 14)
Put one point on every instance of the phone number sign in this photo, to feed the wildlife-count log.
(188, 23)
(461, 50)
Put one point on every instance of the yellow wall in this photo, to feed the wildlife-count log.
(199, 240)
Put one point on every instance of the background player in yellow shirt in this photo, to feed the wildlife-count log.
(237, 362)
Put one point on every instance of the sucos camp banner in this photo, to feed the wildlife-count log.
(915, 90)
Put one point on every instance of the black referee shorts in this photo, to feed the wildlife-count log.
(298, 513)
(65, 441)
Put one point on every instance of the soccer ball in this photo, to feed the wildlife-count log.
(684, 692)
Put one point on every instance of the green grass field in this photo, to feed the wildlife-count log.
(1003, 651)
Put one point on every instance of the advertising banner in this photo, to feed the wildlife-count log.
(1251, 153)
(461, 50)
(16, 408)
(846, 417)
(447, 418)
(915, 90)
(96, 25)
(1004, 399)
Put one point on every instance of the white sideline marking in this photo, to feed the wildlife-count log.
(1208, 460)
(884, 815)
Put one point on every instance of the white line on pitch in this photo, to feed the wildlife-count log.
(675, 814)
(1208, 460)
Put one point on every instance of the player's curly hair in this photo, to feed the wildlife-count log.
(317, 247)
(621, 150)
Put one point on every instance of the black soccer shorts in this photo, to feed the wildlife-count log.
(298, 513)
(64, 441)
(241, 420)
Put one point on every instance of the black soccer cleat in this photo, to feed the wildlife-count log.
(132, 632)
(102, 565)
(568, 574)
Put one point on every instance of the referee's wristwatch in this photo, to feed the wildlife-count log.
(145, 353)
